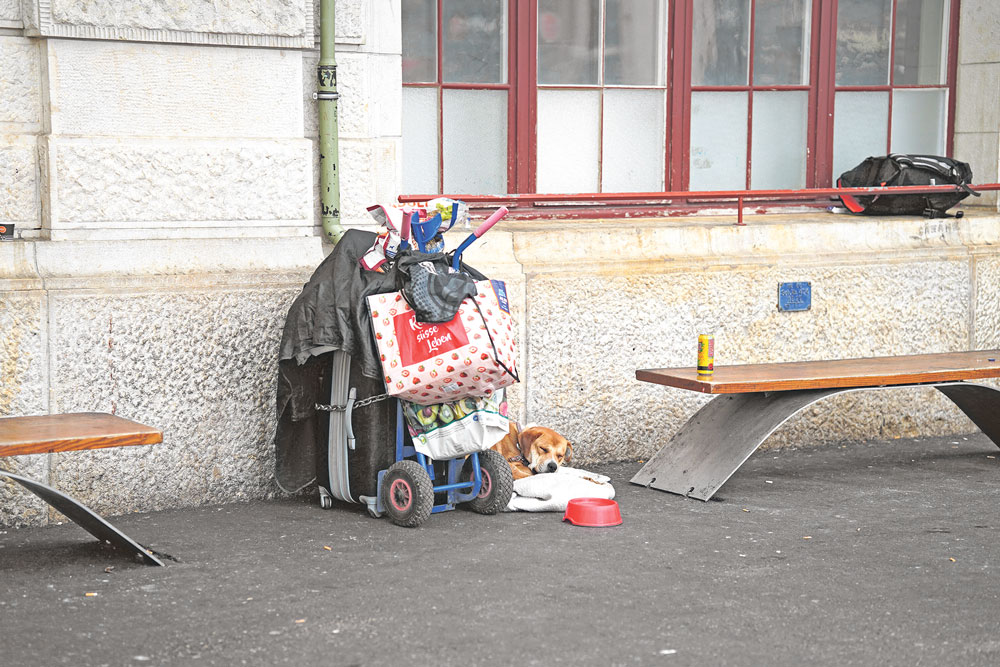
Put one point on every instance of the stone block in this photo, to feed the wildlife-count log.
(349, 22)
(10, 11)
(20, 82)
(22, 353)
(387, 96)
(176, 184)
(199, 364)
(349, 25)
(161, 90)
(23, 391)
(357, 182)
(589, 332)
(982, 151)
(173, 263)
(371, 99)
(268, 23)
(354, 108)
(386, 31)
(310, 109)
(19, 191)
(978, 30)
(18, 506)
(987, 313)
(978, 105)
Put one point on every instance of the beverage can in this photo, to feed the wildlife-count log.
(706, 354)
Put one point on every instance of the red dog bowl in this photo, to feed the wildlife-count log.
(592, 512)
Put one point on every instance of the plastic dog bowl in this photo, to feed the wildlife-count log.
(592, 512)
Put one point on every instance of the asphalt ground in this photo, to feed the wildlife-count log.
(863, 554)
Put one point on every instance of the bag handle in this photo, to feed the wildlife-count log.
(496, 355)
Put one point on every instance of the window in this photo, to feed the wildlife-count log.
(612, 96)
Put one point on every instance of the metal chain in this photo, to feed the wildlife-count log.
(357, 404)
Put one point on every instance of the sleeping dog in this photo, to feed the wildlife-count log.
(535, 449)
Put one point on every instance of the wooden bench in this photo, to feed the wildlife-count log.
(754, 400)
(46, 434)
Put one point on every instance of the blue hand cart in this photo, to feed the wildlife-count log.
(413, 486)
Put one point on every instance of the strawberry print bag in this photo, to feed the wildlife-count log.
(429, 363)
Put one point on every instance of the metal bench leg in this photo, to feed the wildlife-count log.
(715, 442)
(84, 517)
(980, 403)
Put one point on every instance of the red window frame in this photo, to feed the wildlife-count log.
(522, 86)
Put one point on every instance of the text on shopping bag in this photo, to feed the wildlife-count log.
(419, 341)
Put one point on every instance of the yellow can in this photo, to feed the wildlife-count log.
(706, 354)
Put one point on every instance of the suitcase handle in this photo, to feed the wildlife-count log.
(348, 409)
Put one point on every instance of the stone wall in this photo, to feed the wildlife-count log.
(602, 304)
(159, 159)
(977, 108)
(159, 163)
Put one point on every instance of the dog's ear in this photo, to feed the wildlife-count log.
(569, 453)
(525, 439)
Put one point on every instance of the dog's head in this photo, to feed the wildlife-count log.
(544, 449)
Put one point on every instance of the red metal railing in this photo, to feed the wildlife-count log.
(645, 204)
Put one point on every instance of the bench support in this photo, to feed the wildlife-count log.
(722, 435)
(84, 517)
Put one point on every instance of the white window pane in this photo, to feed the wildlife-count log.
(781, 41)
(778, 143)
(419, 19)
(473, 41)
(569, 134)
(863, 28)
(921, 42)
(860, 124)
(720, 42)
(633, 159)
(918, 121)
(569, 41)
(420, 141)
(635, 38)
(475, 141)
(718, 141)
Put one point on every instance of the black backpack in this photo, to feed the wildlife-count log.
(897, 169)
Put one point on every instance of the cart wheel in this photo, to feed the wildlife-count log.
(498, 483)
(325, 499)
(407, 493)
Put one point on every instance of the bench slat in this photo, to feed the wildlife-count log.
(872, 372)
(45, 434)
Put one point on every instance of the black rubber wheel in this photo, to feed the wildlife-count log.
(498, 483)
(407, 493)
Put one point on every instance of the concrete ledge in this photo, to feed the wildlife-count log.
(83, 264)
(542, 246)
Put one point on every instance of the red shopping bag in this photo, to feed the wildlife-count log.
(474, 354)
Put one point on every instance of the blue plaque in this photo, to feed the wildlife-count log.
(794, 296)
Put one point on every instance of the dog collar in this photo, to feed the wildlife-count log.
(517, 459)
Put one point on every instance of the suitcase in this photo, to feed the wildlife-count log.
(347, 468)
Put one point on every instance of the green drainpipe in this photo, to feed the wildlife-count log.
(326, 96)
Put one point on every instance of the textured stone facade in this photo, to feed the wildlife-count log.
(169, 186)
(274, 23)
(977, 109)
(592, 323)
(177, 184)
(179, 334)
(10, 13)
(20, 122)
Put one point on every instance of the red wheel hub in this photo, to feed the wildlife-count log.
(400, 495)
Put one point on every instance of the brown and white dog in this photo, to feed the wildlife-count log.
(534, 450)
